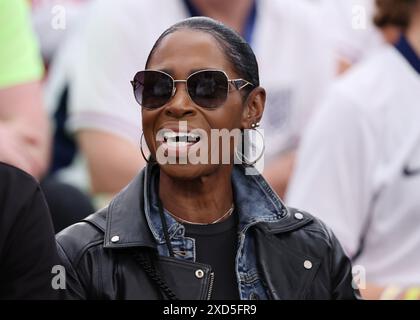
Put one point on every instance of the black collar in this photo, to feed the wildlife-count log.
(407, 51)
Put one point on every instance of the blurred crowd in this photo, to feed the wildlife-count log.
(341, 122)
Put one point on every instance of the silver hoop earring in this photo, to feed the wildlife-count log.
(244, 159)
(141, 149)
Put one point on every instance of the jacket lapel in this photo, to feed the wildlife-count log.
(181, 277)
(126, 225)
(287, 272)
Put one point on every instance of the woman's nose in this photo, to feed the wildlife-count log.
(180, 105)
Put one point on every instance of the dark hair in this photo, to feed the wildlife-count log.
(236, 49)
(394, 12)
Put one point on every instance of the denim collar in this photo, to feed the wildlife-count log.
(254, 200)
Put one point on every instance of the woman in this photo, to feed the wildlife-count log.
(362, 152)
(206, 230)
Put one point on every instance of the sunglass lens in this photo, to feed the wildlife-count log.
(208, 88)
(152, 89)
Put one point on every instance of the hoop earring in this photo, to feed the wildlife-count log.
(244, 158)
(141, 149)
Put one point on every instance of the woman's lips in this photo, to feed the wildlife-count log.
(178, 143)
(178, 137)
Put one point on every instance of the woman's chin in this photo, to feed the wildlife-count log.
(187, 171)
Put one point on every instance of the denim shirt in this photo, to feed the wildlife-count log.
(255, 202)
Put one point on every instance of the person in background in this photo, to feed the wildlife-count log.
(24, 126)
(392, 20)
(28, 251)
(25, 136)
(102, 114)
(350, 29)
(352, 32)
(359, 162)
(54, 21)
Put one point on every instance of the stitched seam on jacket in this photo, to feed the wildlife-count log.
(71, 265)
(84, 250)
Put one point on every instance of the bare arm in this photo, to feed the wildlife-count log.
(112, 161)
(24, 128)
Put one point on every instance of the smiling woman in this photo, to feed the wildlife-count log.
(203, 230)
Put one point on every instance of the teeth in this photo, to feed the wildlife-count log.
(180, 144)
(180, 138)
(169, 135)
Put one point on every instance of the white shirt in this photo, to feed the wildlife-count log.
(296, 65)
(351, 165)
(350, 28)
(55, 20)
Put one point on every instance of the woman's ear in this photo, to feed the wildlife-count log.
(254, 108)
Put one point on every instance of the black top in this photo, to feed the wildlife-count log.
(216, 245)
(27, 245)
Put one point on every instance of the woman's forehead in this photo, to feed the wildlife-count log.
(187, 50)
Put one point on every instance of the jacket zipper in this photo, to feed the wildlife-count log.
(210, 286)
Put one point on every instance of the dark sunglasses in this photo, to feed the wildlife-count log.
(206, 88)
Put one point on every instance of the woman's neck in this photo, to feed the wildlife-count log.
(413, 32)
(233, 13)
(413, 37)
(202, 200)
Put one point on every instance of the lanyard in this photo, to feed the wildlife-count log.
(404, 47)
(249, 27)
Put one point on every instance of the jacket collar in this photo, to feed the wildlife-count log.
(132, 218)
(126, 224)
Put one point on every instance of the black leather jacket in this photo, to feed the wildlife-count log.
(116, 254)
